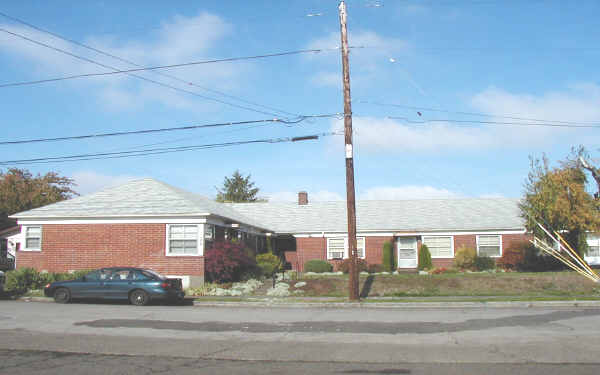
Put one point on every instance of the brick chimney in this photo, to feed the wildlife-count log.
(302, 198)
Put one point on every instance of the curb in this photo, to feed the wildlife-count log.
(404, 305)
(282, 303)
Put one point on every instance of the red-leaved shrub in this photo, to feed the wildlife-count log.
(226, 261)
(513, 257)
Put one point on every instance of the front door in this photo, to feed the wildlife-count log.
(407, 252)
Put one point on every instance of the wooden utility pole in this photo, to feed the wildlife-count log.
(350, 195)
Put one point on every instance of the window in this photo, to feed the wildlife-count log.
(439, 246)
(182, 240)
(593, 242)
(337, 247)
(489, 246)
(33, 238)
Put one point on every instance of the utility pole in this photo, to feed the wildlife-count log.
(350, 194)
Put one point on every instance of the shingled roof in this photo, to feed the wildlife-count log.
(423, 215)
(148, 197)
(138, 198)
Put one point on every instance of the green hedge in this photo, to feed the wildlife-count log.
(24, 279)
(268, 263)
(425, 258)
(318, 266)
(484, 263)
(388, 261)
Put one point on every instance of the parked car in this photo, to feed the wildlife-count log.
(138, 285)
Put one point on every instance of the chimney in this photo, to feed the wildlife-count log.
(302, 198)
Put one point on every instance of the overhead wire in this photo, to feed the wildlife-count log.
(547, 124)
(510, 117)
(111, 55)
(82, 58)
(158, 67)
(171, 129)
(147, 152)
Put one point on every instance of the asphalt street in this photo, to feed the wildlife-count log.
(48, 338)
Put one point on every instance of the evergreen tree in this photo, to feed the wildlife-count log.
(237, 188)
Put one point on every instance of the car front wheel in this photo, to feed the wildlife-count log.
(62, 295)
(139, 298)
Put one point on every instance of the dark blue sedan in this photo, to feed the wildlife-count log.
(138, 285)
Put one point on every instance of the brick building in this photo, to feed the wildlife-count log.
(147, 223)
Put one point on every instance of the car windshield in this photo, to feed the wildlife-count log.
(155, 274)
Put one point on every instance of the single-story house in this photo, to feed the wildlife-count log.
(147, 223)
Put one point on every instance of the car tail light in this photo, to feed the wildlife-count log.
(47, 286)
(164, 285)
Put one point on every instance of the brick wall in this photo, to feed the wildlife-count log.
(308, 248)
(316, 248)
(471, 241)
(91, 246)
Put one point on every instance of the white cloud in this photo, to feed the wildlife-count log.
(407, 192)
(90, 181)
(374, 193)
(319, 196)
(181, 39)
(579, 104)
(388, 135)
(366, 62)
(492, 195)
(327, 79)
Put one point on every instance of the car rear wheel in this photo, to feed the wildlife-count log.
(139, 298)
(62, 295)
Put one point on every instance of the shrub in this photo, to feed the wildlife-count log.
(376, 268)
(484, 263)
(438, 270)
(465, 257)
(268, 263)
(534, 261)
(424, 258)
(21, 280)
(388, 261)
(227, 261)
(318, 266)
(513, 257)
(361, 265)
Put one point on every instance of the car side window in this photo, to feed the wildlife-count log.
(120, 275)
(105, 274)
(93, 276)
(139, 275)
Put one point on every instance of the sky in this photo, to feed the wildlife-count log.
(444, 92)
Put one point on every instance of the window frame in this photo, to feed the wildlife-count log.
(423, 241)
(346, 251)
(499, 244)
(25, 237)
(593, 240)
(199, 240)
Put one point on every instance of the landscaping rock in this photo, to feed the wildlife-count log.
(423, 273)
(300, 284)
(280, 290)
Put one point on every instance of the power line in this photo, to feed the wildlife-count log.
(150, 68)
(496, 123)
(474, 113)
(124, 154)
(135, 75)
(138, 65)
(148, 131)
